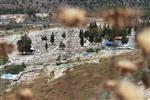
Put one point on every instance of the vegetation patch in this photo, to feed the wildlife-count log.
(16, 69)
(84, 82)
(2, 61)
(90, 50)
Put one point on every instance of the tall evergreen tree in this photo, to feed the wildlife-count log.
(82, 41)
(81, 34)
(52, 39)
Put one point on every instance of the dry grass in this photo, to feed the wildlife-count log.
(84, 82)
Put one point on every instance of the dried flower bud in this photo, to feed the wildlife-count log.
(120, 17)
(146, 79)
(24, 94)
(10, 48)
(125, 66)
(143, 40)
(5, 49)
(110, 84)
(128, 91)
(71, 16)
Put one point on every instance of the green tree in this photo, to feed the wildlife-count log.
(31, 13)
(124, 39)
(82, 41)
(64, 35)
(45, 25)
(24, 45)
(126, 31)
(62, 45)
(44, 38)
(86, 34)
(81, 34)
(109, 33)
(92, 33)
(52, 39)
(91, 38)
(97, 38)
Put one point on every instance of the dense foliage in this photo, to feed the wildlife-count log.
(2, 61)
(17, 10)
(24, 45)
(15, 69)
(90, 50)
(11, 26)
(95, 34)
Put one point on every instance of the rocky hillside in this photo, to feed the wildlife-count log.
(84, 82)
(50, 5)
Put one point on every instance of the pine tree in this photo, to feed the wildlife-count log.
(52, 39)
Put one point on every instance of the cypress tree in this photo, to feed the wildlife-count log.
(52, 39)
(81, 34)
(82, 41)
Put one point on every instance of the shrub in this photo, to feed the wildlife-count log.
(90, 50)
(24, 45)
(3, 61)
(44, 38)
(62, 45)
(64, 35)
(15, 69)
(97, 49)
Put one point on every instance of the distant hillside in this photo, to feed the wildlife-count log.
(11, 6)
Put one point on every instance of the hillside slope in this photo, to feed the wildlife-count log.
(84, 82)
(50, 5)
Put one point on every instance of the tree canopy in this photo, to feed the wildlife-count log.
(24, 45)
